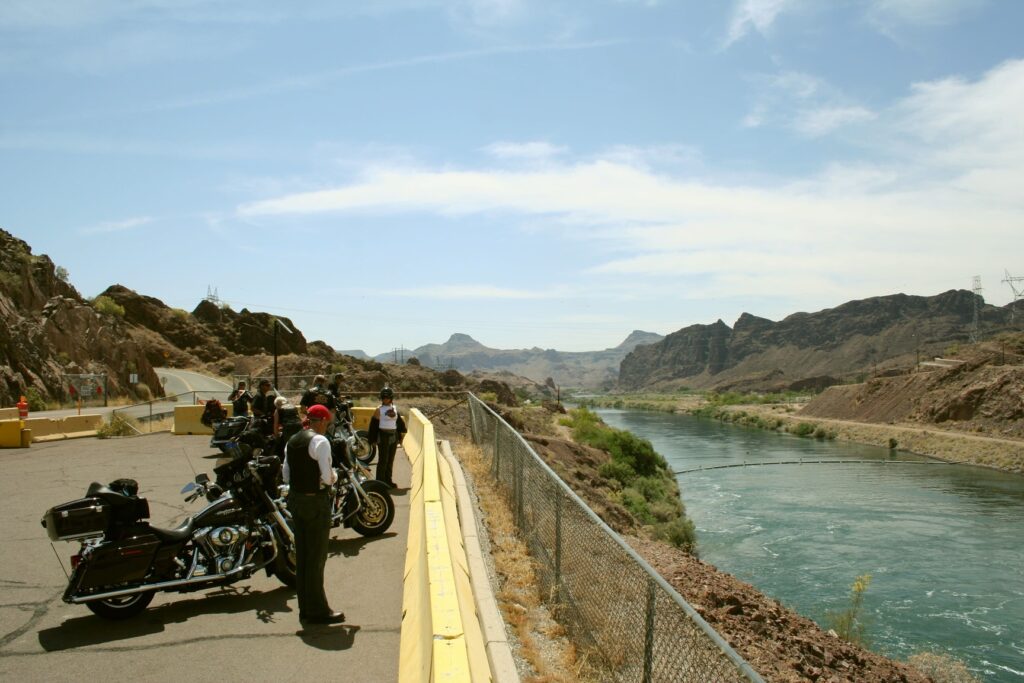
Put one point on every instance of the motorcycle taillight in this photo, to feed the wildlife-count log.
(75, 559)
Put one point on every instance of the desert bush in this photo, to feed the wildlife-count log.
(106, 305)
(679, 532)
(619, 471)
(848, 623)
(118, 425)
(35, 400)
(893, 443)
(143, 392)
(942, 668)
(803, 429)
(635, 502)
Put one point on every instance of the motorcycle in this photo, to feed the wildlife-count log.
(358, 441)
(124, 560)
(359, 501)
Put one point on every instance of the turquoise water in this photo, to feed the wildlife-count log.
(944, 544)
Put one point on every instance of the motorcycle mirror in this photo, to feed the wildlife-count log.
(191, 486)
(202, 478)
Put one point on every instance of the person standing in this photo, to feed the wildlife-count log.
(335, 386)
(387, 429)
(263, 406)
(240, 399)
(308, 472)
(318, 394)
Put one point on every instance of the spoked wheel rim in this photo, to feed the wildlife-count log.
(375, 510)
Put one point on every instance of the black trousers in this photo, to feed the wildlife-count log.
(387, 444)
(311, 523)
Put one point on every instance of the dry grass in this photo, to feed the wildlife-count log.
(542, 640)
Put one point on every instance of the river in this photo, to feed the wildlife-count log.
(944, 544)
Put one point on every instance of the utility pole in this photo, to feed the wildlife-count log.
(1018, 293)
(975, 329)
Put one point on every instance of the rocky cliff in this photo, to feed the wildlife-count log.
(809, 350)
(48, 330)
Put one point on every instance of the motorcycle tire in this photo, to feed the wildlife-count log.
(378, 511)
(364, 451)
(124, 607)
(284, 563)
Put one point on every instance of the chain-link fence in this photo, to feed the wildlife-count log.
(611, 601)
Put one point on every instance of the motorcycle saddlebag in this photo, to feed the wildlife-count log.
(120, 562)
(82, 518)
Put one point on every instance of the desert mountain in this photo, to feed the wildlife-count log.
(811, 350)
(590, 369)
(48, 330)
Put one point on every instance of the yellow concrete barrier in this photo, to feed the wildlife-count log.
(10, 433)
(75, 426)
(361, 417)
(441, 637)
(186, 419)
(46, 428)
(8, 413)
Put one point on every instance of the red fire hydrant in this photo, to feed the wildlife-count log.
(22, 409)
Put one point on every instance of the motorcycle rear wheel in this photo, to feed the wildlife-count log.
(364, 451)
(124, 607)
(377, 512)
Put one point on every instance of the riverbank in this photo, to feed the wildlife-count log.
(998, 453)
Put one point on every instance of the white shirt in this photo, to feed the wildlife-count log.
(388, 423)
(319, 450)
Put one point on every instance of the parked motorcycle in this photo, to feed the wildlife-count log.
(124, 560)
(358, 441)
(359, 501)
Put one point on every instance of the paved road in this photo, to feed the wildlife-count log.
(249, 631)
(181, 381)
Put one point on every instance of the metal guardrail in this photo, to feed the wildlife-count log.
(607, 596)
(147, 411)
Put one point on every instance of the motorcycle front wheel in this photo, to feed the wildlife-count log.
(364, 451)
(124, 607)
(377, 512)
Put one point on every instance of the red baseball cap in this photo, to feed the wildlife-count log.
(318, 412)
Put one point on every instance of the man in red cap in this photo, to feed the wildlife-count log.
(307, 470)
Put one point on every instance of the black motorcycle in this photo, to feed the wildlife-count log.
(359, 502)
(123, 560)
(358, 441)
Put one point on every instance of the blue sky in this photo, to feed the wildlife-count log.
(546, 173)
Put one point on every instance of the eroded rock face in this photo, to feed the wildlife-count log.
(808, 349)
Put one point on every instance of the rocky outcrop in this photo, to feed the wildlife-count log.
(47, 331)
(809, 349)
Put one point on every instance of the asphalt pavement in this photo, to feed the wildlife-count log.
(245, 632)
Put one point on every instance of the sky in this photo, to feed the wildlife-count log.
(546, 173)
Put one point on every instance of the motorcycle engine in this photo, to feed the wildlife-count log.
(223, 547)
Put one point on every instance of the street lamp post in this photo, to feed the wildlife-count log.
(277, 321)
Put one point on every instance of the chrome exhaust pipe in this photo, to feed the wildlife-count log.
(212, 579)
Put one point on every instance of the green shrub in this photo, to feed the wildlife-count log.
(106, 305)
(803, 429)
(679, 532)
(893, 443)
(118, 425)
(36, 402)
(619, 471)
(635, 502)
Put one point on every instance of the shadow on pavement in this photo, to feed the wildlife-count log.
(93, 630)
(350, 547)
(325, 637)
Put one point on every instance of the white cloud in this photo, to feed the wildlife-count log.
(117, 226)
(817, 122)
(756, 15)
(886, 13)
(534, 151)
(946, 206)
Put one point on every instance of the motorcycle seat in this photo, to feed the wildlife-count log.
(174, 535)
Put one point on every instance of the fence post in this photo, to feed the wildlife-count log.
(558, 545)
(519, 488)
(497, 452)
(649, 633)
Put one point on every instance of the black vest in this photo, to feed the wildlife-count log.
(304, 471)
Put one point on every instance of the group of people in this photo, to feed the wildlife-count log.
(309, 473)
